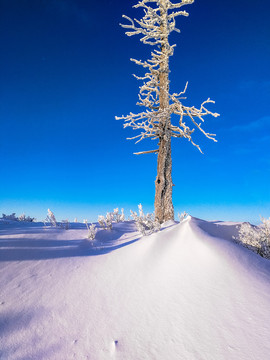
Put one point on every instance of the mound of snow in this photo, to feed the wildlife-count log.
(187, 293)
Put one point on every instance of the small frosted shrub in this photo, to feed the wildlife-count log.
(146, 224)
(106, 222)
(256, 238)
(182, 216)
(92, 230)
(122, 216)
(11, 217)
(51, 219)
(65, 224)
(26, 218)
(117, 217)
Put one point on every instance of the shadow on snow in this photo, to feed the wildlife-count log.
(44, 248)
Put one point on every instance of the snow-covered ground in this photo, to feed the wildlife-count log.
(187, 292)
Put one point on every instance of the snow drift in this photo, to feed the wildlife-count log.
(187, 292)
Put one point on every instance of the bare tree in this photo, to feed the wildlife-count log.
(155, 121)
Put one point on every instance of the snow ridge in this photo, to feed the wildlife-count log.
(186, 292)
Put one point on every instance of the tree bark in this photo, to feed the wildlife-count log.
(163, 197)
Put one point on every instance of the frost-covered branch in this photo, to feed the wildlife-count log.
(146, 152)
(183, 130)
(149, 122)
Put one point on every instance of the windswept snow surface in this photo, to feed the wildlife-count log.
(187, 292)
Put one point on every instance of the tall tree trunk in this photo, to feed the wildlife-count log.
(163, 198)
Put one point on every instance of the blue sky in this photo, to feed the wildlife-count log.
(65, 73)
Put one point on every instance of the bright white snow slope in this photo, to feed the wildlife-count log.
(186, 293)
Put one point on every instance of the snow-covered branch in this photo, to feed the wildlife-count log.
(149, 121)
(183, 130)
(146, 152)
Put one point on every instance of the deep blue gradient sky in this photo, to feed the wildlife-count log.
(65, 73)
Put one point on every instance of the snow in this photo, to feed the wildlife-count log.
(187, 292)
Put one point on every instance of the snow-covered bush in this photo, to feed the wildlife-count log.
(256, 238)
(106, 221)
(26, 218)
(117, 217)
(146, 224)
(122, 216)
(65, 224)
(10, 217)
(92, 230)
(50, 218)
(13, 217)
(182, 216)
